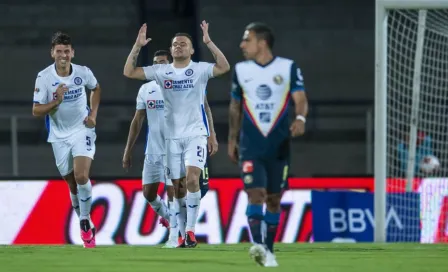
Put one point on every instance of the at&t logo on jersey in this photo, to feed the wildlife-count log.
(155, 104)
(264, 92)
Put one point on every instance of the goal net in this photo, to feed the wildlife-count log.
(414, 108)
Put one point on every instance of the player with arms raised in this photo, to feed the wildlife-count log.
(60, 96)
(183, 83)
(261, 90)
(150, 104)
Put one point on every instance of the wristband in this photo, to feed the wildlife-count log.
(301, 118)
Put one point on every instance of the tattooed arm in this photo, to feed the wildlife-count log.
(222, 65)
(130, 69)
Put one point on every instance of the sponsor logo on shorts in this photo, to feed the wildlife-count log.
(248, 167)
(248, 179)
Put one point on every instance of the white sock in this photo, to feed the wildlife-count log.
(193, 203)
(160, 207)
(181, 214)
(174, 229)
(75, 203)
(85, 200)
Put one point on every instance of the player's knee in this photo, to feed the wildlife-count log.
(81, 177)
(273, 202)
(150, 192)
(193, 181)
(256, 195)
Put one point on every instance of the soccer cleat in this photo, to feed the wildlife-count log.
(92, 242)
(190, 239)
(87, 234)
(270, 260)
(180, 242)
(171, 243)
(164, 222)
(258, 253)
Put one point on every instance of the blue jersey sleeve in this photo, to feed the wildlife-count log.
(236, 91)
(296, 83)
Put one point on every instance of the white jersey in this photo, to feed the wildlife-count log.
(183, 92)
(150, 98)
(68, 117)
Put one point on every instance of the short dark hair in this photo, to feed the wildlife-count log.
(163, 53)
(181, 34)
(60, 38)
(263, 32)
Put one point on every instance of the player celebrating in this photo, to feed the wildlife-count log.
(150, 103)
(183, 83)
(60, 96)
(262, 86)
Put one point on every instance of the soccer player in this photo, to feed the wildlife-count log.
(183, 83)
(60, 96)
(259, 131)
(150, 103)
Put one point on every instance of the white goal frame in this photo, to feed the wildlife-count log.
(380, 168)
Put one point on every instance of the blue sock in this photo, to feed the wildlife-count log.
(255, 217)
(271, 220)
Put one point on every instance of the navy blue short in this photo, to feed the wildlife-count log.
(271, 174)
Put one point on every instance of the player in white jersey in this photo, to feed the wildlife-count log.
(60, 96)
(262, 87)
(150, 103)
(183, 83)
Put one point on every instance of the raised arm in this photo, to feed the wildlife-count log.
(130, 70)
(222, 65)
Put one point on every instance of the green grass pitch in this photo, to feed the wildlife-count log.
(228, 258)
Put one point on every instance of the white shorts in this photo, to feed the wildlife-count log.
(154, 170)
(183, 152)
(80, 144)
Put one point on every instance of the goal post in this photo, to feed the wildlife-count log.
(411, 63)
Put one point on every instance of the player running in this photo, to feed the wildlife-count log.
(60, 96)
(261, 89)
(180, 186)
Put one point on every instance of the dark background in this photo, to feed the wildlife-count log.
(331, 41)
